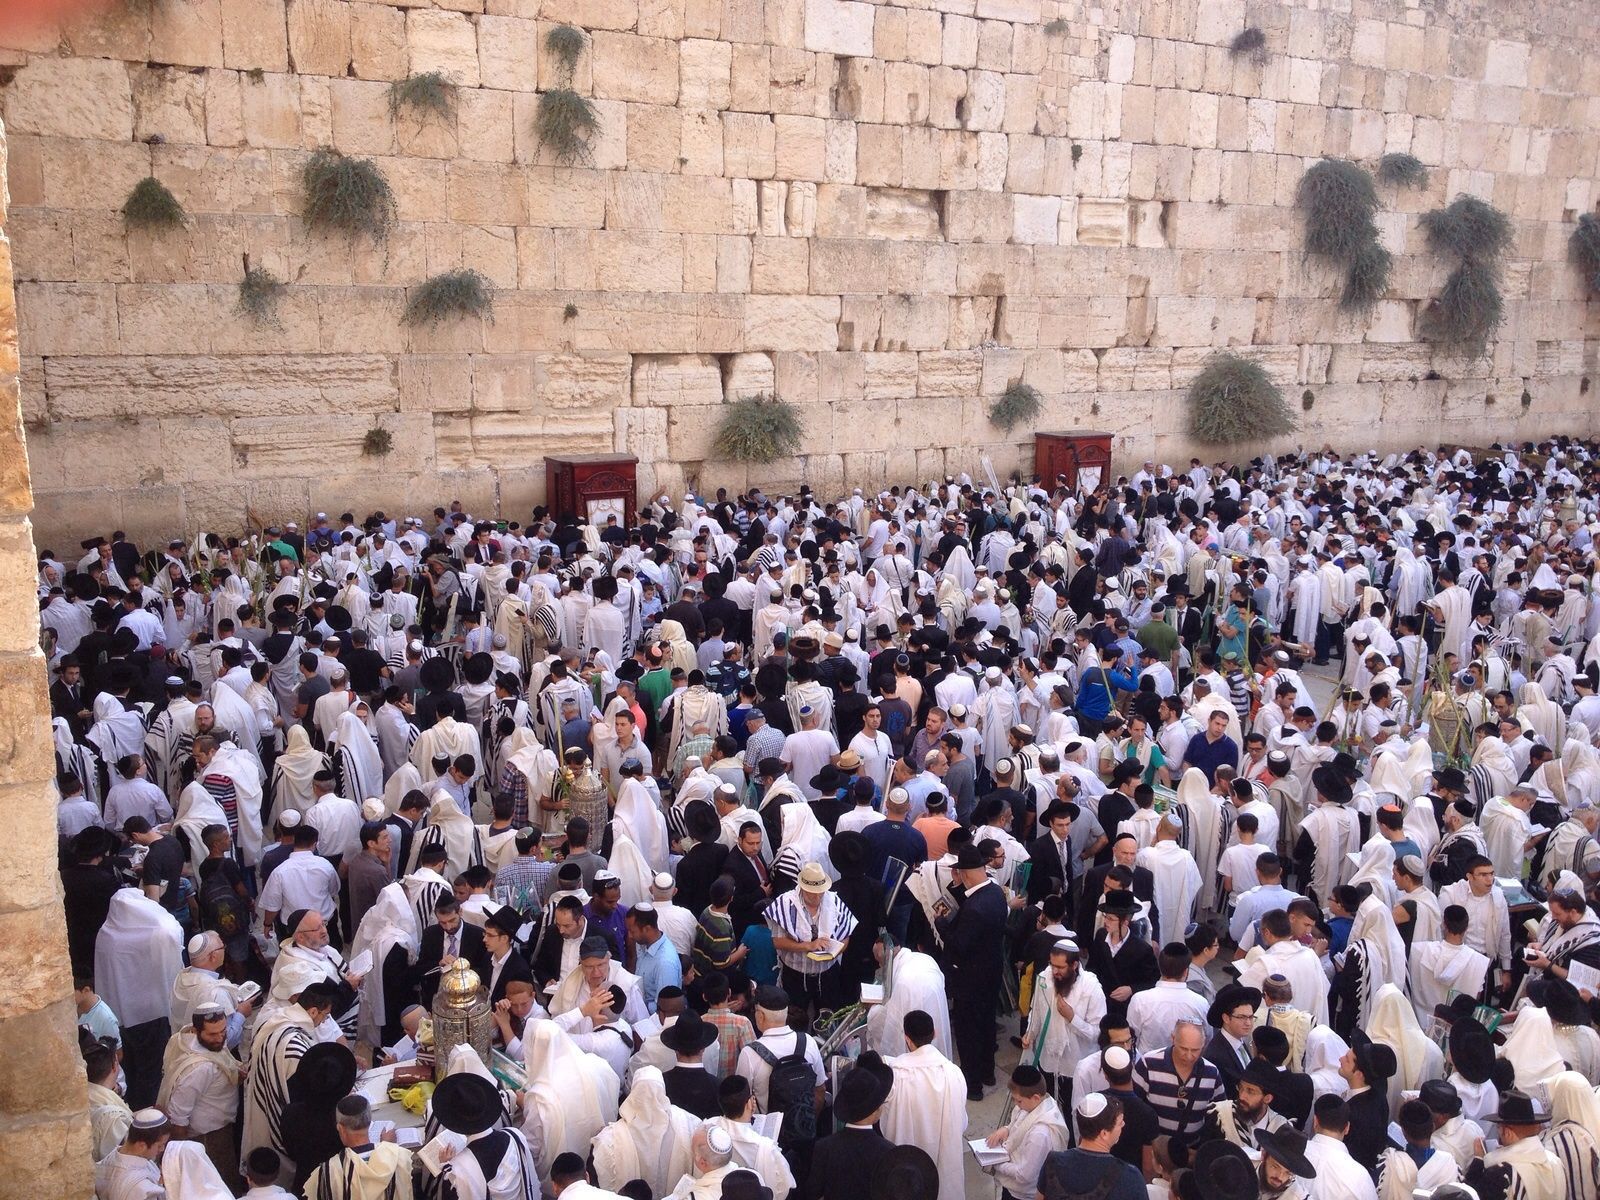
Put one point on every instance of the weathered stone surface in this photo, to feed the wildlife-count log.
(671, 379)
(98, 388)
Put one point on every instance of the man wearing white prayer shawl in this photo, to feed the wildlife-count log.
(710, 1162)
(1328, 835)
(649, 1140)
(1417, 1058)
(450, 739)
(927, 1106)
(1452, 605)
(1536, 1173)
(281, 1038)
(751, 1150)
(131, 1171)
(1064, 1015)
(1400, 1174)
(1445, 967)
(1507, 831)
(915, 982)
(638, 817)
(1574, 1134)
(308, 947)
(596, 972)
(995, 712)
(571, 1095)
(1036, 1130)
(1280, 954)
(1177, 880)
(1338, 1177)
(292, 773)
(137, 955)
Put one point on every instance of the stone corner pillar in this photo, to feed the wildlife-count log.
(44, 1123)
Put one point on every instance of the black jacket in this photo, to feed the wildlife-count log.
(1094, 886)
(431, 951)
(694, 1090)
(697, 871)
(1047, 877)
(1292, 1100)
(1133, 966)
(1369, 1127)
(1220, 1054)
(974, 940)
(748, 898)
(515, 968)
(842, 1164)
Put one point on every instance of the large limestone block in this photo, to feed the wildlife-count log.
(169, 106)
(640, 432)
(705, 74)
(791, 322)
(842, 27)
(508, 53)
(640, 69)
(1102, 222)
(590, 14)
(272, 115)
(1035, 219)
(272, 447)
(748, 375)
(665, 380)
(187, 35)
(255, 35)
(779, 266)
(83, 388)
(749, 145)
(319, 37)
(948, 373)
(72, 98)
(978, 217)
(445, 42)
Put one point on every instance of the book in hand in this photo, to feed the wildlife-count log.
(872, 993)
(429, 1155)
(828, 953)
(987, 1155)
(767, 1124)
(360, 964)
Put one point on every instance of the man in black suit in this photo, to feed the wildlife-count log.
(445, 941)
(1124, 964)
(1292, 1100)
(974, 937)
(1233, 1016)
(1367, 1068)
(506, 963)
(555, 954)
(1183, 616)
(843, 1164)
(1124, 853)
(752, 882)
(702, 863)
(403, 828)
(68, 697)
(1051, 856)
(689, 1085)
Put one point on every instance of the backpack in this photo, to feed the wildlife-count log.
(791, 1090)
(220, 906)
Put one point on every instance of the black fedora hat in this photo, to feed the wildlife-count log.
(326, 1073)
(1263, 1075)
(689, 1034)
(1471, 1050)
(466, 1103)
(905, 1173)
(1562, 1001)
(828, 779)
(1231, 995)
(1331, 785)
(1376, 1059)
(1223, 1171)
(1120, 903)
(744, 1185)
(1060, 808)
(338, 618)
(1453, 778)
(1288, 1146)
(863, 1091)
(1441, 1097)
(1518, 1108)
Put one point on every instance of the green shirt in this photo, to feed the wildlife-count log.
(1159, 637)
(655, 686)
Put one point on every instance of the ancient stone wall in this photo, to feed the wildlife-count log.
(44, 1123)
(884, 213)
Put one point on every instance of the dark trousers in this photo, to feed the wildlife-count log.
(814, 993)
(142, 1049)
(972, 1025)
(1329, 639)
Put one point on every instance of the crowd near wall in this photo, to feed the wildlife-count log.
(884, 214)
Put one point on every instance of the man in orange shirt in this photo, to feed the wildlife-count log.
(935, 827)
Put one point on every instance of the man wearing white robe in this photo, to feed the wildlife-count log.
(927, 1106)
(1339, 1177)
(1452, 606)
(1177, 878)
(915, 982)
(1280, 954)
(1507, 830)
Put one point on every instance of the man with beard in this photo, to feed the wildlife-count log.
(1064, 1019)
(1283, 1164)
(1242, 1120)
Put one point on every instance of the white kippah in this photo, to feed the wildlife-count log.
(149, 1118)
(290, 818)
(1116, 1058)
(718, 1141)
(209, 1008)
(1094, 1103)
(372, 809)
(197, 945)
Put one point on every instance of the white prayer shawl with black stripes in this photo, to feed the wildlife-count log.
(283, 1038)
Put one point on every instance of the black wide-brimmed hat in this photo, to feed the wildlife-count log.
(326, 1074)
(1288, 1146)
(689, 1034)
(863, 1091)
(1471, 1050)
(1223, 1171)
(905, 1173)
(1563, 1003)
(1331, 785)
(1376, 1060)
(1120, 903)
(1518, 1108)
(466, 1103)
(1231, 995)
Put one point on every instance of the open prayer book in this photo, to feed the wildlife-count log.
(1583, 977)
(872, 993)
(828, 953)
(987, 1155)
(767, 1124)
(360, 964)
(429, 1154)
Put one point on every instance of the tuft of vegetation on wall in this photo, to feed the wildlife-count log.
(1469, 308)
(451, 296)
(1251, 42)
(151, 206)
(758, 429)
(1340, 202)
(259, 294)
(428, 95)
(1019, 404)
(1234, 400)
(347, 195)
(1586, 249)
(1402, 170)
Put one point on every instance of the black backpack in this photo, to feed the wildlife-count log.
(220, 907)
(791, 1090)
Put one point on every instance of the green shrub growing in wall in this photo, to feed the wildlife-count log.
(1234, 400)
(151, 206)
(1250, 42)
(1019, 404)
(259, 293)
(455, 294)
(758, 429)
(428, 95)
(347, 195)
(1340, 202)
(1402, 170)
(1586, 249)
(1469, 308)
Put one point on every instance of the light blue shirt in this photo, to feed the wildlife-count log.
(1253, 904)
(657, 966)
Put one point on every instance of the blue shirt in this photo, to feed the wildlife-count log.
(1097, 687)
(657, 966)
(894, 839)
(761, 961)
(1208, 756)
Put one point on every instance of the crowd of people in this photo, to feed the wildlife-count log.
(766, 822)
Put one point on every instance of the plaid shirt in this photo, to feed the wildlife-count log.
(734, 1033)
(514, 785)
(526, 880)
